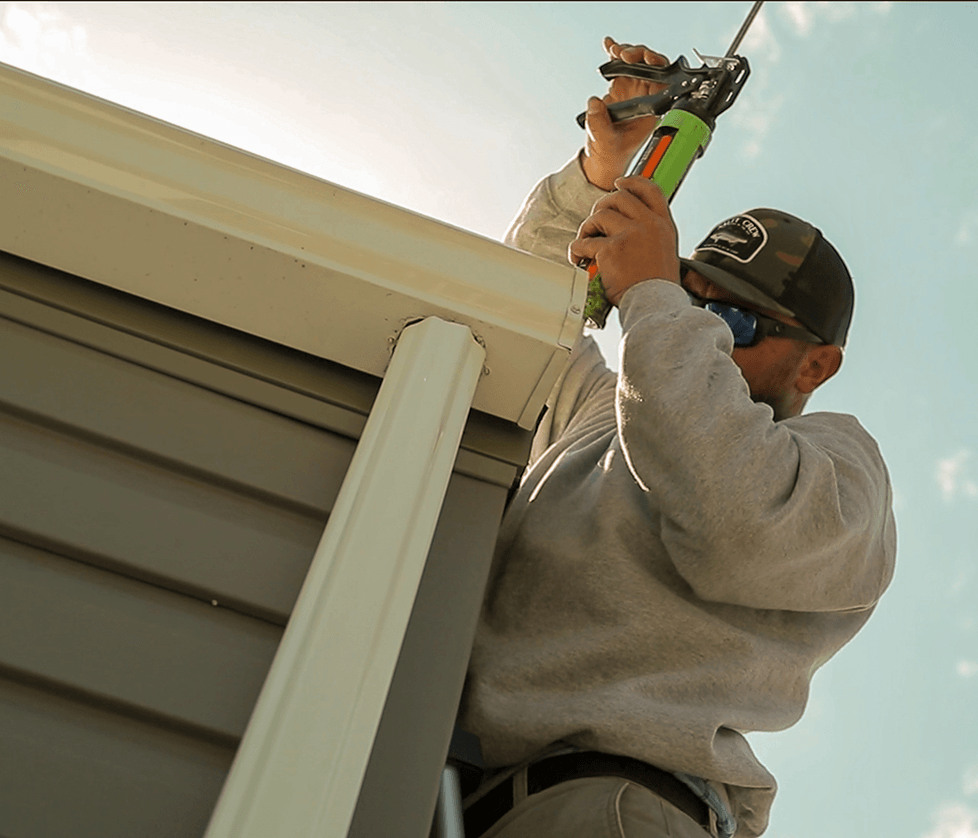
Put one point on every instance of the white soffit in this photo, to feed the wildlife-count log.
(105, 193)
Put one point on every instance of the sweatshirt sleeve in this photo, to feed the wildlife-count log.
(552, 213)
(793, 515)
(545, 225)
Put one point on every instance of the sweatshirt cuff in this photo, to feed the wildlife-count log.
(570, 189)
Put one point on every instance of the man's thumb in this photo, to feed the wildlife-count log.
(597, 121)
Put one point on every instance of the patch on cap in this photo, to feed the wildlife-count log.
(740, 238)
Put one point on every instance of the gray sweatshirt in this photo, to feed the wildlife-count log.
(676, 564)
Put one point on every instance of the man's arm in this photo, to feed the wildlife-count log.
(610, 147)
(632, 237)
(553, 212)
(793, 515)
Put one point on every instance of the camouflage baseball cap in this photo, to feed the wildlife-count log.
(779, 262)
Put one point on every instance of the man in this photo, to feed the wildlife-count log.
(686, 548)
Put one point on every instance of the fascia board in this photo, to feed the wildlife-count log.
(128, 201)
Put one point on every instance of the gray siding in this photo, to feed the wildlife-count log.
(163, 485)
(74, 769)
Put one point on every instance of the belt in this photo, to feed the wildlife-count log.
(550, 771)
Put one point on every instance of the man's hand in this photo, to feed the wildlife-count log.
(610, 146)
(631, 235)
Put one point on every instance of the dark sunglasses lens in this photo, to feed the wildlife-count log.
(742, 323)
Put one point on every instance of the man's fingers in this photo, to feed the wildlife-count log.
(634, 198)
(642, 55)
(588, 247)
(654, 58)
(597, 120)
(611, 46)
(627, 204)
(602, 223)
(634, 53)
(643, 190)
(583, 249)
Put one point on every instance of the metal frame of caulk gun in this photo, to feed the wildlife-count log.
(689, 107)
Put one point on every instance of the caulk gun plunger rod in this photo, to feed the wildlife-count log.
(744, 27)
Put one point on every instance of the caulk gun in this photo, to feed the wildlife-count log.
(688, 107)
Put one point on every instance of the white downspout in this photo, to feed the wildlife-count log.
(298, 771)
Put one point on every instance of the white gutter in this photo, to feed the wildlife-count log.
(298, 771)
(124, 200)
(111, 195)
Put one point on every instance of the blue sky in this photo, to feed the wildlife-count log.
(858, 116)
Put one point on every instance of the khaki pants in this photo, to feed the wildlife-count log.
(596, 807)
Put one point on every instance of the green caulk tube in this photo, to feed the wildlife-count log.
(678, 140)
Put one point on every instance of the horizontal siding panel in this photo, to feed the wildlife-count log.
(68, 770)
(116, 511)
(312, 390)
(152, 463)
(129, 643)
(133, 407)
(91, 304)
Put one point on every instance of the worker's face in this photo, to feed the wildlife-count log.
(780, 372)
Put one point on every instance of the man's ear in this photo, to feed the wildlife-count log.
(819, 365)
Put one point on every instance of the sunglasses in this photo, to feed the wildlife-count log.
(749, 327)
